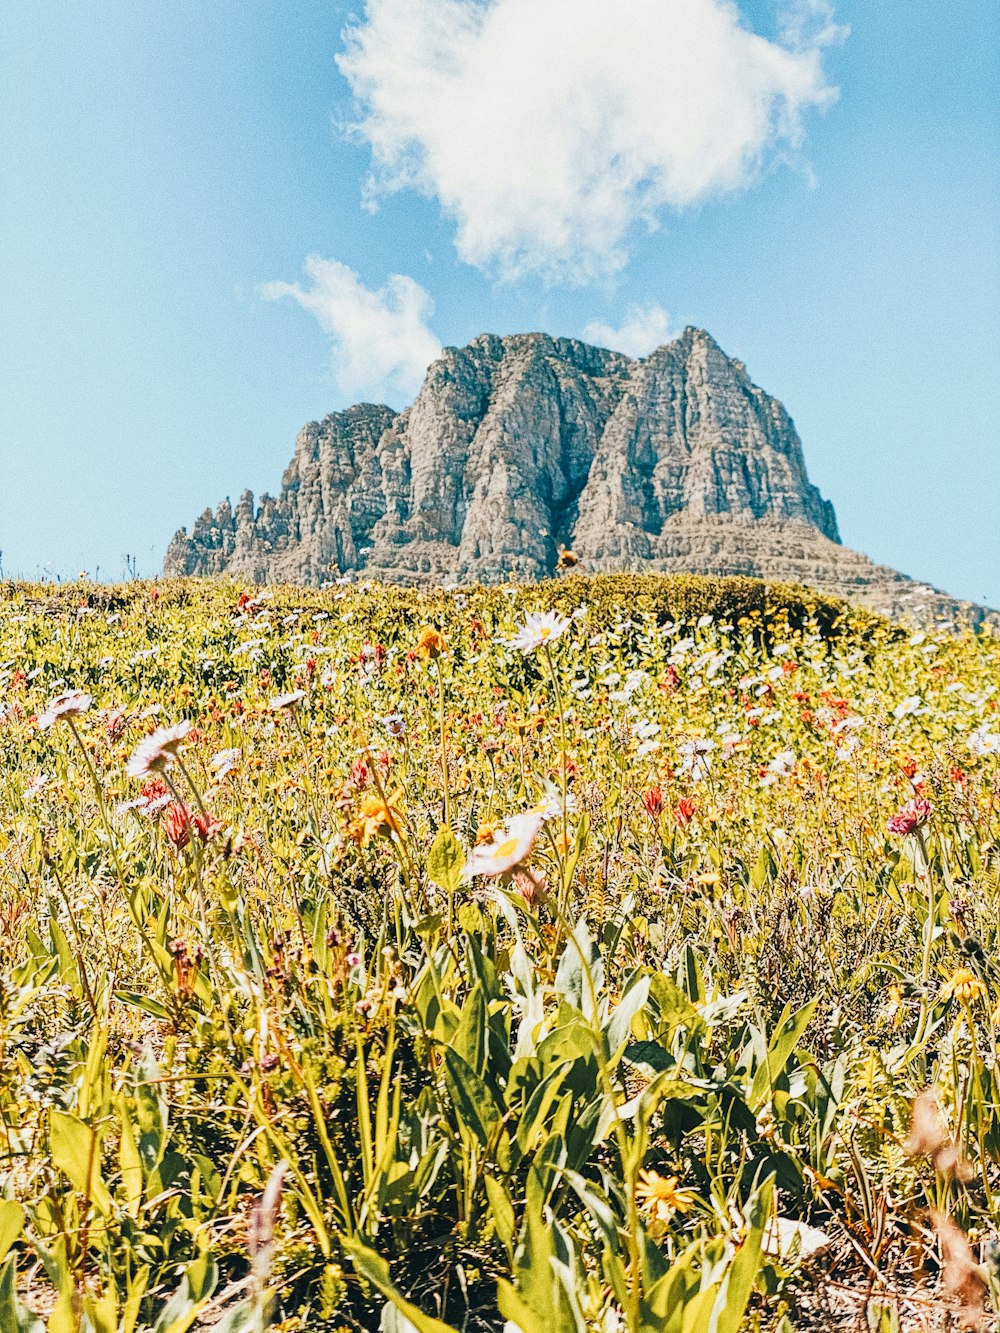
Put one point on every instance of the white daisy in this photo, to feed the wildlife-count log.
(157, 751)
(223, 763)
(508, 849)
(539, 628)
(70, 704)
(983, 741)
(281, 702)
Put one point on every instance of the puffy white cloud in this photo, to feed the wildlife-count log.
(547, 129)
(382, 342)
(643, 329)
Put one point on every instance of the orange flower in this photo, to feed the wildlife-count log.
(430, 644)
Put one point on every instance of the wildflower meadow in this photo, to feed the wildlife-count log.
(605, 956)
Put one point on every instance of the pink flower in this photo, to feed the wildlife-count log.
(913, 815)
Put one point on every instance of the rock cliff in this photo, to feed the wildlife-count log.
(516, 447)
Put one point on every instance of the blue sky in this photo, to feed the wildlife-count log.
(824, 202)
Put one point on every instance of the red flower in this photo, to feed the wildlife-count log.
(671, 680)
(177, 824)
(206, 826)
(153, 790)
(359, 774)
(653, 801)
(909, 766)
(684, 811)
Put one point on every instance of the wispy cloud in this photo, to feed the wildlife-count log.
(643, 329)
(381, 340)
(548, 129)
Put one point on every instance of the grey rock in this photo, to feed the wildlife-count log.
(518, 446)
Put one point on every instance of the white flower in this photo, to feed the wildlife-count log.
(508, 848)
(983, 742)
(781, 766)
(223, 763)
(157, 751)
(539, 628)
(70, 704)
(694, 757)
(550, 805)
(281, 702)
(395, 725)
(35, 786)
(909, 705)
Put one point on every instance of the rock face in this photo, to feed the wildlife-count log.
(518, 446)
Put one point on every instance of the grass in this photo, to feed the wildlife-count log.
(360, 969)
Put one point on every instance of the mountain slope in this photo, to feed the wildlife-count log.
(517, 446)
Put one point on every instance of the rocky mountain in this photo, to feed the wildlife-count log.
(517, 447)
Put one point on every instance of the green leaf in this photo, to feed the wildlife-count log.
(129, 1161)
(13, 1316)
(619, 1025)
(190, 1298)
(779, 1052)
(471, 1039)
(502, 1211)
(734, 1294)
(11, 1224)
(579, 957)
(374, 1268)
(475, 1108)
(144, 1002)
(445, 860)
(76, 1152)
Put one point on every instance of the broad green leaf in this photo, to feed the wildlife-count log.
(619, 1025)
(474, 1104)
(143, 1002)
(471, 1039)
(129, 1161)
(11, 1225)
(779, 1051)
(737, 1285)
(580, 973)
(445, 860)
(501, 1210)
(190, 1298)
(76, 1151)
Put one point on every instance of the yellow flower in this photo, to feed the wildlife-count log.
(487, 831)
(659, 1196)
(430, 644)
(375, 816)
(964, 986)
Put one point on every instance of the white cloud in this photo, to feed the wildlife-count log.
(644, 328)
(547, 129)
(382, 343)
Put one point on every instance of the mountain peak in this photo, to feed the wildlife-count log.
(517, 446)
